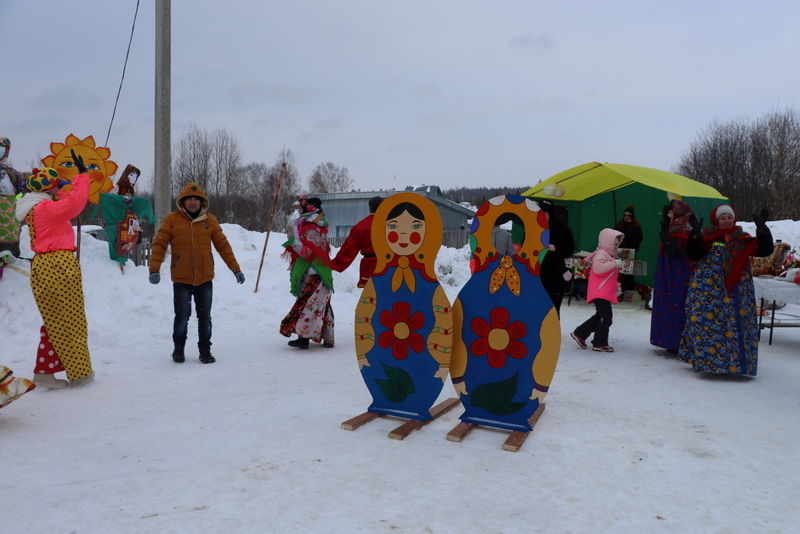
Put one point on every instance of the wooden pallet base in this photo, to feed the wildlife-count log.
(514, 441)
(359, 420)
(402, 431)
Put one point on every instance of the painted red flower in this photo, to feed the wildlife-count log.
(498, 338)
(400, 333)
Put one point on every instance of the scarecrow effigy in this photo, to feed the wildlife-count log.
(123, 214)
(403, 323)
(506, 331)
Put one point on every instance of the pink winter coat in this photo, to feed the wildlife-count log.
(605, 268)
(51, 218)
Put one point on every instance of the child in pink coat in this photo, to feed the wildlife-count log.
(602, 291)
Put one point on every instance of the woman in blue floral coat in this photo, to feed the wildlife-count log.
(721, 332)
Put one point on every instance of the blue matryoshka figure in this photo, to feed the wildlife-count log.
(403, 324)
(506, 331)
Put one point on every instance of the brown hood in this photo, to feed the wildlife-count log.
(124, 185)
(192, 190)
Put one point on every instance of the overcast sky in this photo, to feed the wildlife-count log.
(447, 92)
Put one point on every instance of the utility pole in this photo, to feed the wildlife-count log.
(163, 153)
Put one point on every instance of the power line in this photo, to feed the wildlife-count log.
(125, 66)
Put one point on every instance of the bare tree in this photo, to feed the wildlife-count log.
(753, 163)
(211, 160)
(192, 159)
(225, 163)
(329, 178)
(256, 193)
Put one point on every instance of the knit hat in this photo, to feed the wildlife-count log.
(42, 180)
(374, 202)
(720, 210)
(629, 211)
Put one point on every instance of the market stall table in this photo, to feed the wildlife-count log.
(771, 289)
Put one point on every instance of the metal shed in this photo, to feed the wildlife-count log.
(344, 210)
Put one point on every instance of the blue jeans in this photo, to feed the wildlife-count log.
(182, 299)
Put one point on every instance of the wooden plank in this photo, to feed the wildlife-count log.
(517, 438)
(444, 407)
(515, 441)
(402, 431)
(359, 420)
(460, 431)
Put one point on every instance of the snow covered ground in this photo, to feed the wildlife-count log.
(631, 441)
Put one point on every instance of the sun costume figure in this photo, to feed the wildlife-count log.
(506, 331)
(403, 323)
(99, 167)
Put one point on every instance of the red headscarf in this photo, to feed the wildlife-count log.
(739, 245)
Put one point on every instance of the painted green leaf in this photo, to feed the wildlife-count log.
(495, 397)
(397, 385)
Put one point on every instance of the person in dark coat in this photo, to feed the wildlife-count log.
(553, 271)
(632, 231)
(672, 274)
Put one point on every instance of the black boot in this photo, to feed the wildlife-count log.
(206, 357)
(300, 343)
(178, 356)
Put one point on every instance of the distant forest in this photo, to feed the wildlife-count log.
(478, 195)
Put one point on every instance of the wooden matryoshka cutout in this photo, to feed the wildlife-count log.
(506, 331)
(403, 324)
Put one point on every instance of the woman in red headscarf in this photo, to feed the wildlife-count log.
(671, 281)
(311, 316)
(721, 333)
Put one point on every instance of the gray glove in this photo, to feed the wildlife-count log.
(239, 276)
(155, 278)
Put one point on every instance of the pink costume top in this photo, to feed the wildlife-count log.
(51, 218)
(605, 268)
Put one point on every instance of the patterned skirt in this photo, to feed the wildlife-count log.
(311, 316)
(721, 333)
(58, 290)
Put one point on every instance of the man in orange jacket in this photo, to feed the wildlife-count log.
(359, 240)
(189, 231)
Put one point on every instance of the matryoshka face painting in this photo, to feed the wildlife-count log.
(404, 233)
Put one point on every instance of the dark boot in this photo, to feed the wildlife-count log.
(178, 356)
(300, 343)
(206, 357)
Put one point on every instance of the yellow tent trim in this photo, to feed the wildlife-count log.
(595, 178)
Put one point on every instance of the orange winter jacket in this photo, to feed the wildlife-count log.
(190, 241)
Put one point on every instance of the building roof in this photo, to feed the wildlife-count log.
(432, 192)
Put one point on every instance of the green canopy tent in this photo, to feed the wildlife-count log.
(597, 193)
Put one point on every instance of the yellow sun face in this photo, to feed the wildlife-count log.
(94, 157)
